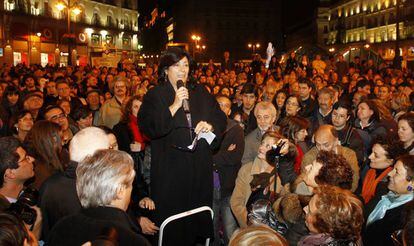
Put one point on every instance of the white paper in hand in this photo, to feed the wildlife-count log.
(208, 136)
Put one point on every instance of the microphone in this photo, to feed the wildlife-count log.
(186, 105)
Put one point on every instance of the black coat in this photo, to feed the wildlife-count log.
(180, 180)
(58, 198)
(379, 232)
(89, 224)
(228, 162)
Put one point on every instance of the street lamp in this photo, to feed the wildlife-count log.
(254, 47)
(76, 10)
(196, 39)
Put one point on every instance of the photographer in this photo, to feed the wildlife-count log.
(16, 167)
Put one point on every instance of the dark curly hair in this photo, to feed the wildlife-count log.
(338, 213)
(335, 170)
(392, 146)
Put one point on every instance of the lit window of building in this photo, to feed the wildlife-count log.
(9, 5)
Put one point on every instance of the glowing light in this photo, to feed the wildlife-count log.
(332, 50)
(76, 11)
(60, 6)
(249, 45)
(103, 33)
(39, 34)
(366, 46)
(89, 31)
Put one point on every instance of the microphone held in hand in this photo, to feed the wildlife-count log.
(186, 105)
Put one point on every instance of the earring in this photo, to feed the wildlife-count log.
(409, 188)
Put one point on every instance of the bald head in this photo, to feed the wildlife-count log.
(326, 138)
(86, 142)
(225, 104)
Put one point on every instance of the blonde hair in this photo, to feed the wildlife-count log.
(257, 235)
(100, 177)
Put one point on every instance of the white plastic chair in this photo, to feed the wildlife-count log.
(182, 215)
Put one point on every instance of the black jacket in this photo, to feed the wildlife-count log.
(58, 198)
(379, 232)
(226, 162)
(91, 223)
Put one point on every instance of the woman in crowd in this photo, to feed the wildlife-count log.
(248, 189)
(387, 215)
(384, 154)
(21, 124)
(368, 119)
(400, 104)
(10, 103)
(181, 165)
(328, 169)
(44, 143)
(406, 131)
(128, 135)
(295, 129)
(279, 101)
(292, 106)
(334, 217)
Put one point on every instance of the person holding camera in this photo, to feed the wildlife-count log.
(256, 180)
(16, 167)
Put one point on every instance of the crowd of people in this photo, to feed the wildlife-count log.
(308, 151)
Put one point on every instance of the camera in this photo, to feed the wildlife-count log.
(22, 207)
(273, 155)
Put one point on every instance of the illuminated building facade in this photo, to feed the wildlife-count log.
(38, 31)
(371, 24)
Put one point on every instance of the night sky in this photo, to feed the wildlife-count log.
(296, 11)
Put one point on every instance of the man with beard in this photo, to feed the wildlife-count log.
(111, 110)
(323, 113)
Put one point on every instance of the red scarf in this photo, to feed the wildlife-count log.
(370, 183)
(136, 133)
(298, 160)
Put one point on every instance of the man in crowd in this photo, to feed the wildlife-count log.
(227, 162)
(347, 134)
(323, 114)
(63, 90)
(58, 197)
(266, 116)
(103, 185)
(307, 102)
(111, 111)
(249, 95)
(16, 167)
(326, 138)
(94, 104)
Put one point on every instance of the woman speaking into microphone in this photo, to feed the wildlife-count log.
(181, 160)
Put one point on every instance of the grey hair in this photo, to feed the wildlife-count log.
(265, 106)
(86, 142)
(100, 177)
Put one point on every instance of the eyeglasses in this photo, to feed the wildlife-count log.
(58, 117)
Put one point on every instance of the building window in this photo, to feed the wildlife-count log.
(96, 39)
(9, 5)
(96, 19)
(126, 42)
(110, 21)
(109, 39)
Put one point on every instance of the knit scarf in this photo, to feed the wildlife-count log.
(370, 183)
